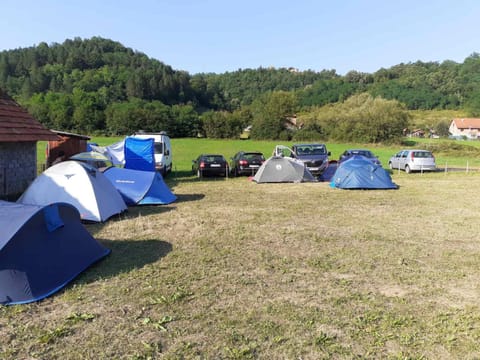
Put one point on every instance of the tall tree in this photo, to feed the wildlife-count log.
(270, 113)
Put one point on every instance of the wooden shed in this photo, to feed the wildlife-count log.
(67, 145)
(19, 133)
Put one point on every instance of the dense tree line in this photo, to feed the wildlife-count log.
(99, 86)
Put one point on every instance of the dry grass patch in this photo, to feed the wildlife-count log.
(237, 270)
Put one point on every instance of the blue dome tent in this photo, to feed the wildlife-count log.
(140, 187)
(360, 173)
(42, 249)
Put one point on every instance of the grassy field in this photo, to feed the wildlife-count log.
(238, 270)
(448, 153)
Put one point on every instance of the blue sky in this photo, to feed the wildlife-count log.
(221, 35)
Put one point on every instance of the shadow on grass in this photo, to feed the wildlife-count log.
(124, 257)
(189, 197)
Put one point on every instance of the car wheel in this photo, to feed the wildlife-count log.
(407, 169)
(199, 173)
(390, 165)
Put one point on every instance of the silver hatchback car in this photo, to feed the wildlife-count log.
(413, 160)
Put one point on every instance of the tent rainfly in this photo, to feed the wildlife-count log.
(140, 187)
(78, 184)
(42, 249)
(139, 154)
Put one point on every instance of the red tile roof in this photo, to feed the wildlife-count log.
(467, 123)
(16, 124)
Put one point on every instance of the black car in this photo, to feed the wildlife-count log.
(210, 165)
(246, 163)
(347, 154)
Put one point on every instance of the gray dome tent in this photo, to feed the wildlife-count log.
(279, 169)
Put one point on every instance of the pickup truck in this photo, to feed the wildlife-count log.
(314, 156)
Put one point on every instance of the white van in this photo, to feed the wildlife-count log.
(162, 150)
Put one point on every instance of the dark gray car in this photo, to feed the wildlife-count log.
(314, 156)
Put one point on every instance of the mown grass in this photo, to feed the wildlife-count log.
(238, 270)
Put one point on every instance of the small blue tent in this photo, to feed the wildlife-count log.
(139, 154)
(360, 173)
(42, 248)
(140, 187)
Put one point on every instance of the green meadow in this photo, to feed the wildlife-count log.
(448, 153)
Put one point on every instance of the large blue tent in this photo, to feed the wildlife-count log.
(140, 187)
(359, 172)
(42, 249)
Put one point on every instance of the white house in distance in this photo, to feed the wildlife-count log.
(468, 127)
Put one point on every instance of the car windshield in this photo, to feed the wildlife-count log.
(213, 158)
(311, 150)
(422, 154)
(366, 153)
(318, 150)
(158, 148)
(253, 156)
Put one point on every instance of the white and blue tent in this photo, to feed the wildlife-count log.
(78, 184)
(140, 187)
(42, 249)
(359, 172)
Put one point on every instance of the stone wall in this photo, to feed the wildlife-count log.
(18, 167)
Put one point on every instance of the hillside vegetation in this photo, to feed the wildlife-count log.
(98, 86)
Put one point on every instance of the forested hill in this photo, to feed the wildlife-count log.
(99, 86)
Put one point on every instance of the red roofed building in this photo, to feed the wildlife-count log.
(468, 127)
(19, 133)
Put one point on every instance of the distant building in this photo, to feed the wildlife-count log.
(19, 133)
(465, 127)
(417, 133)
